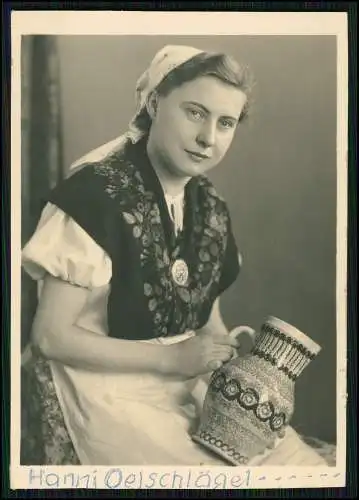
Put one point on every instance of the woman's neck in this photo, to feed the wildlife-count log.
(171, 184)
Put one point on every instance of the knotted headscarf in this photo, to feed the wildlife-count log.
(167, 59)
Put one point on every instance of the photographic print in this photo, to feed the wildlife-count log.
(179, 271)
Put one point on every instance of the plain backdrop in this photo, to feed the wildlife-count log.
(279, 179)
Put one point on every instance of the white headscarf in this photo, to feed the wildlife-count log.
(168, 58)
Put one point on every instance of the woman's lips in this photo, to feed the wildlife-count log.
(197, 156)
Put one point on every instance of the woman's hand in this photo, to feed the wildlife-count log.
(201, 354)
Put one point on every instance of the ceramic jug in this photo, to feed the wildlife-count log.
(250, 400)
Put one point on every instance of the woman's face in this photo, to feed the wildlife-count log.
(194, 125)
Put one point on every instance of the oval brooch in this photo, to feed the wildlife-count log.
(180, 272)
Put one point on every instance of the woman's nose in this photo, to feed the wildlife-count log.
(207, 135)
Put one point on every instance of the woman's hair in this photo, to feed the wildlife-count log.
(221, 66)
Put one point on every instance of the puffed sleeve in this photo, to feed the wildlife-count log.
(62, 248)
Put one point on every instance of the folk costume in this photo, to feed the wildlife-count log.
(154, 267)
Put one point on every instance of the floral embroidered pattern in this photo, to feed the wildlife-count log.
(174, 308)
(44, 436)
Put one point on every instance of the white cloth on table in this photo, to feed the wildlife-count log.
(123, 419)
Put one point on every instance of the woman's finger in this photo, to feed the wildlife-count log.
(222, 356)
(214, 364)
(222, 352)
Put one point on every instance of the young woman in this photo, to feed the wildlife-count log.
(133, 251)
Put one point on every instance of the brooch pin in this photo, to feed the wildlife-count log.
(180, 272)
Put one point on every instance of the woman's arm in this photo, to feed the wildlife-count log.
(57, 338)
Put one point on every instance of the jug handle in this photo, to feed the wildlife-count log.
(243, 329)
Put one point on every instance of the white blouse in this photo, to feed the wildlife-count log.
(60, 247)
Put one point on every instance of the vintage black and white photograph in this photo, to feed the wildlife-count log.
(179, 228)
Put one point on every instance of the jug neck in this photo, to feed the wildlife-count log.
(281, 350)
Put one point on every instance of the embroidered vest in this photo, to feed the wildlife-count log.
(120, 203)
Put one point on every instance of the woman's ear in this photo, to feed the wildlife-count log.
(152, 104)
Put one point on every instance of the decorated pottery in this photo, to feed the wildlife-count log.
(250, 400)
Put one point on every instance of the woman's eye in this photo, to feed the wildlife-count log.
(227, 124)
(194, 113)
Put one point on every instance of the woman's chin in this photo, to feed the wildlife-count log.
(191, 169)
